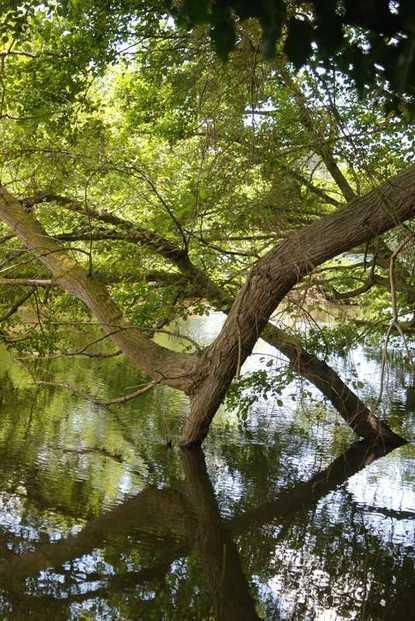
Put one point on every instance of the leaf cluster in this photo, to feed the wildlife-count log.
(366, 40)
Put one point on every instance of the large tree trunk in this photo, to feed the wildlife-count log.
(307, 365)
(323, 377)
(206, 378)
(273, 277)
(353, 411)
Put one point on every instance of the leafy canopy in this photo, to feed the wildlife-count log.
(111, 106)
(373, 41)
(367, 40)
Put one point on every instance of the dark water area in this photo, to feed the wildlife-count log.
(288, 518)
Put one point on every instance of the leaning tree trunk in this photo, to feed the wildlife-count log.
(272, 278)
(206, 378)
(307, 365)
(353, 411)
(323, 377)
(162, 364)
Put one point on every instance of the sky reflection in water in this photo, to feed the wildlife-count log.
(100, 520)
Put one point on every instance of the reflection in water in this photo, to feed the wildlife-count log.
(99, 519)
(172, 524)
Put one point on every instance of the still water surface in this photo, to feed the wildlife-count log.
(100, 519)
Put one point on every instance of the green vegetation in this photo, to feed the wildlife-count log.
(183, 183)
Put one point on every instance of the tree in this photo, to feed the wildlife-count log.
(372, 42)
(40, 132)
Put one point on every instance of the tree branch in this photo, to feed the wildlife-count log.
(174, 369)
(103, 402)
(17, 305)
(273, 277)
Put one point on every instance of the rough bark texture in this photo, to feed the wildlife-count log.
(206, 377)
(307, 365)
(321, 375)
(273, 277)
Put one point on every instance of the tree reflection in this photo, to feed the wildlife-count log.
(167, 549)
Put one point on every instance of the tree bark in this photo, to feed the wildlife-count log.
(353, 411)
(272, 278)
(133, 233)
(162, 364)
(316, 371)
(206, 378)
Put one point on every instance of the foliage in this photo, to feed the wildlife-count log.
(222, 161)
(371, 42)
(366, 40)
(261, 385)
(167, 174)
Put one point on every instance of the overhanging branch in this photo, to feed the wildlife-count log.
(164, 365)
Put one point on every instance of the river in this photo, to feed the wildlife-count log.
(285, 517)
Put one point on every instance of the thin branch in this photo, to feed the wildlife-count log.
(102, 402)
(195, 344)
(28, 282)
(395, 317)
(17, 305)
(310, 185)
(74, 354)
(345, 295)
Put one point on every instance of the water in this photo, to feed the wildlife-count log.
(100, 519)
